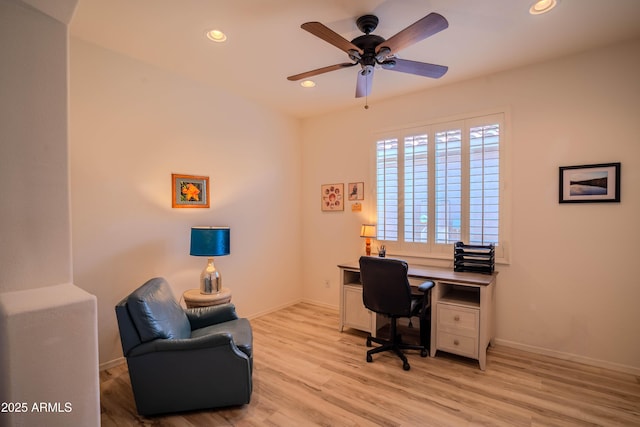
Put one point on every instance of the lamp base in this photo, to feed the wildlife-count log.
(367, 247)
(210, 279)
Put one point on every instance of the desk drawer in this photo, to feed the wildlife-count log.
(458, 344)
(458, 320)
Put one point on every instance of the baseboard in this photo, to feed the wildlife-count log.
(112, 363)
(570, 357)
(291, 303)
(271, 310)
(320, 304)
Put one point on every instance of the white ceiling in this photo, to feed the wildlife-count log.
(266, 44)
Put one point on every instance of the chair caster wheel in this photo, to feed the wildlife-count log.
(406, 366)
(369, 358)
(424, 353)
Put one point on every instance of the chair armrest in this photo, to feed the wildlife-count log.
(222, 339)
(425, 286)
(205, 316)
(422, 302)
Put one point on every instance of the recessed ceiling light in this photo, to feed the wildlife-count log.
(542, 6)
(307, 83)
(216, 36)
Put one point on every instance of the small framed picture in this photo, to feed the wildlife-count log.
(356, 190)
(189, 191)
(332, 197)
(590, 183)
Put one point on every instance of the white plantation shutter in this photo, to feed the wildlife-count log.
(484, 183)
(387, 189)
(441, 185)
(416, 189)
(448, 198)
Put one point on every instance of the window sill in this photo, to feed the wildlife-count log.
(435, 260)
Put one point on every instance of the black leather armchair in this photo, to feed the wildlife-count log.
(181, 360)
(386, 290)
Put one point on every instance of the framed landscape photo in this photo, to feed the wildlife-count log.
(189, 191)
(590, 183)
(332, 197)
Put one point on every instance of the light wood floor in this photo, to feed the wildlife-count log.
(307, 374)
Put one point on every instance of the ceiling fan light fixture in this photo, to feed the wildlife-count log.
(388, 64)
(367, 70)
(383, 54)
(307, 83)
(216, 36)
(542, 6)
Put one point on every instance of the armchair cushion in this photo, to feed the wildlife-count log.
(155, 312)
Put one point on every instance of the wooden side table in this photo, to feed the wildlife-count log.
(193, 298)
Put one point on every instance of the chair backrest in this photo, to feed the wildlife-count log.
(385, 286)
(151, 312)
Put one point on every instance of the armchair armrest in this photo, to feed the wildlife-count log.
(205, 316)
(204, 342)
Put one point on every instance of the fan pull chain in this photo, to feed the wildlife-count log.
(366, 97)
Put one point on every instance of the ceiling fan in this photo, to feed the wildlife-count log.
(369, 50)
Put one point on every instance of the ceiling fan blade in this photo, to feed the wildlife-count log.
(321, 71)
(414, 67)
(429, 25)
(330, 36)
(365, 79)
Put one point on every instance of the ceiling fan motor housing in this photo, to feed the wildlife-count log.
(368, 44)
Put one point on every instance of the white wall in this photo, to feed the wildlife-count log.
(34, 213)
(132, 125)
(571, 289)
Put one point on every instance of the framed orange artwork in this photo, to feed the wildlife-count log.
(189, 191)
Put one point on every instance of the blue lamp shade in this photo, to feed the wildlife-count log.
(210, 241)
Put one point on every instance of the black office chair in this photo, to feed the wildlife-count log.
(386, 290)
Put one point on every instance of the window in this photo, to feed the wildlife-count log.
(440, 184)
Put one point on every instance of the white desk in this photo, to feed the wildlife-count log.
(462, 308)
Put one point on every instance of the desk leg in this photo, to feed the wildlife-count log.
(486, 323)
(434, 323)
(435, 297)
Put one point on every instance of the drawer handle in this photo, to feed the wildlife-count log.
(456, 318)
(456, 342)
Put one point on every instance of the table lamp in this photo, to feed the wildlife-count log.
(368, 231)
(210, 242)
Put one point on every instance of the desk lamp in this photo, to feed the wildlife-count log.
(210, 242)
(368, 231)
